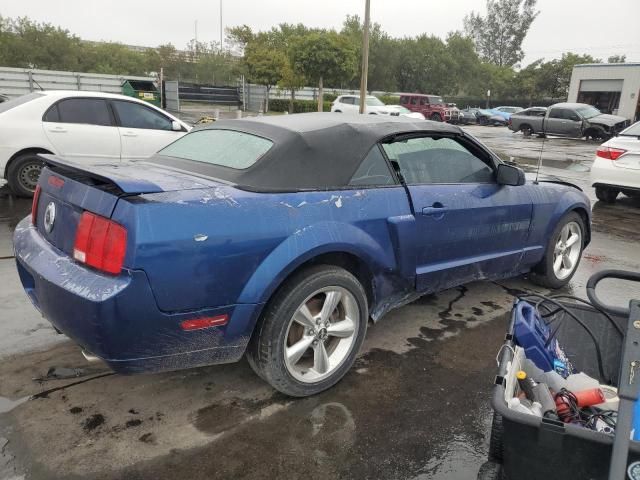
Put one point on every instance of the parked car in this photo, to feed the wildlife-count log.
(569, 120)
(483, 115)
(616, 167)
(467, 116)
(82, 126)
(351, 104)
(3, 98)
(279, 237)
(399, 110)
(431, 106)
(507, 111)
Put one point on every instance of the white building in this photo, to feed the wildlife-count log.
(611, 87)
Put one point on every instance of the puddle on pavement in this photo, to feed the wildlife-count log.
(6, 404)
(386, 419)
(12, 208)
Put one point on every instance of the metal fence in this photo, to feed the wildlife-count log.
(18, 81)
(253, 97)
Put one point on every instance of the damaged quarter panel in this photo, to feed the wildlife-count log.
(225, 245)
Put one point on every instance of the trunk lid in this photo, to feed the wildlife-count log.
(631, 159)
(68, 188)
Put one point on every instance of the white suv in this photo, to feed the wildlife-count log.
(617, 166)
(86, 127)
(351, 104)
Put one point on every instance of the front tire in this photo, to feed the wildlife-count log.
(23, 174)
(311, 331)
(435, 117)
(607, 195)
(563, 253)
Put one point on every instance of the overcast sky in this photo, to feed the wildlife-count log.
(598, 27)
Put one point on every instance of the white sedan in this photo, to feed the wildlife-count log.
(617, 166)
(81, 126)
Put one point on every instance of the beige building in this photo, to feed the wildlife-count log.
(611, 87)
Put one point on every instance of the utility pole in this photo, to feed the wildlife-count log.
(220, 26)
(365, 57)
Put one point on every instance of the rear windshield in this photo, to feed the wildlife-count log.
(226, 148)
(14, 102)
(632, 131)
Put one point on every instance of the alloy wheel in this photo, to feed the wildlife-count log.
(321, 334)
(567, 250)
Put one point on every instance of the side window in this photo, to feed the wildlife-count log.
(430, 160)
(373, 170)
(404, 100)
(571, 115)
(556, 113)
(414, 100)
(424, 101)
(91, 111)
(349, 100)
(52, 115)
(133, 115)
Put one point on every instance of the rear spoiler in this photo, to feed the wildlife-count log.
(107, 173)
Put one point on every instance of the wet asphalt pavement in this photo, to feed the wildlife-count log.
(415, 405)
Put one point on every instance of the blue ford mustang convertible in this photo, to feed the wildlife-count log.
(279, 238)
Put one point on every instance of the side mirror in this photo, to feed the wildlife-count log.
(510, 175)
(175, 126)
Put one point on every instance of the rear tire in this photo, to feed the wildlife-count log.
(526, 130)
(496, 445)
(299, 349)
(563, 253)
(490, 471)
(23, 174)
(607, 195)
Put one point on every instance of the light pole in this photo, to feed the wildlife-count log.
(220, 26)
(365, 57)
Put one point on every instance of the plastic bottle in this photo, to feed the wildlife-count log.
(543, 396)
(578, 382)
(635, 426)
(526, 384)
(514, 404)
(554, 380)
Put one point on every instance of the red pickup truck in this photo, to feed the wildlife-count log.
(431, 106)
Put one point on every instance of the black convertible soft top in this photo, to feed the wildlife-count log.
(311, 151)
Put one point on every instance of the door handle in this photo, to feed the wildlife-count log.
(58, 130)
(129, 134)
(437, 209)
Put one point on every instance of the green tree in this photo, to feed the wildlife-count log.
(292, 81)
(324, 56)
(265, 66)
(617, 59)
(498, 36)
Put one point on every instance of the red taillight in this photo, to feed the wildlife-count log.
(205, 322)
(56, 182)
(610, 153)
(100, 243)
(34, 204)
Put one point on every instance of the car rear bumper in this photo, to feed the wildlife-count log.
(605, 173)
(117, 318)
